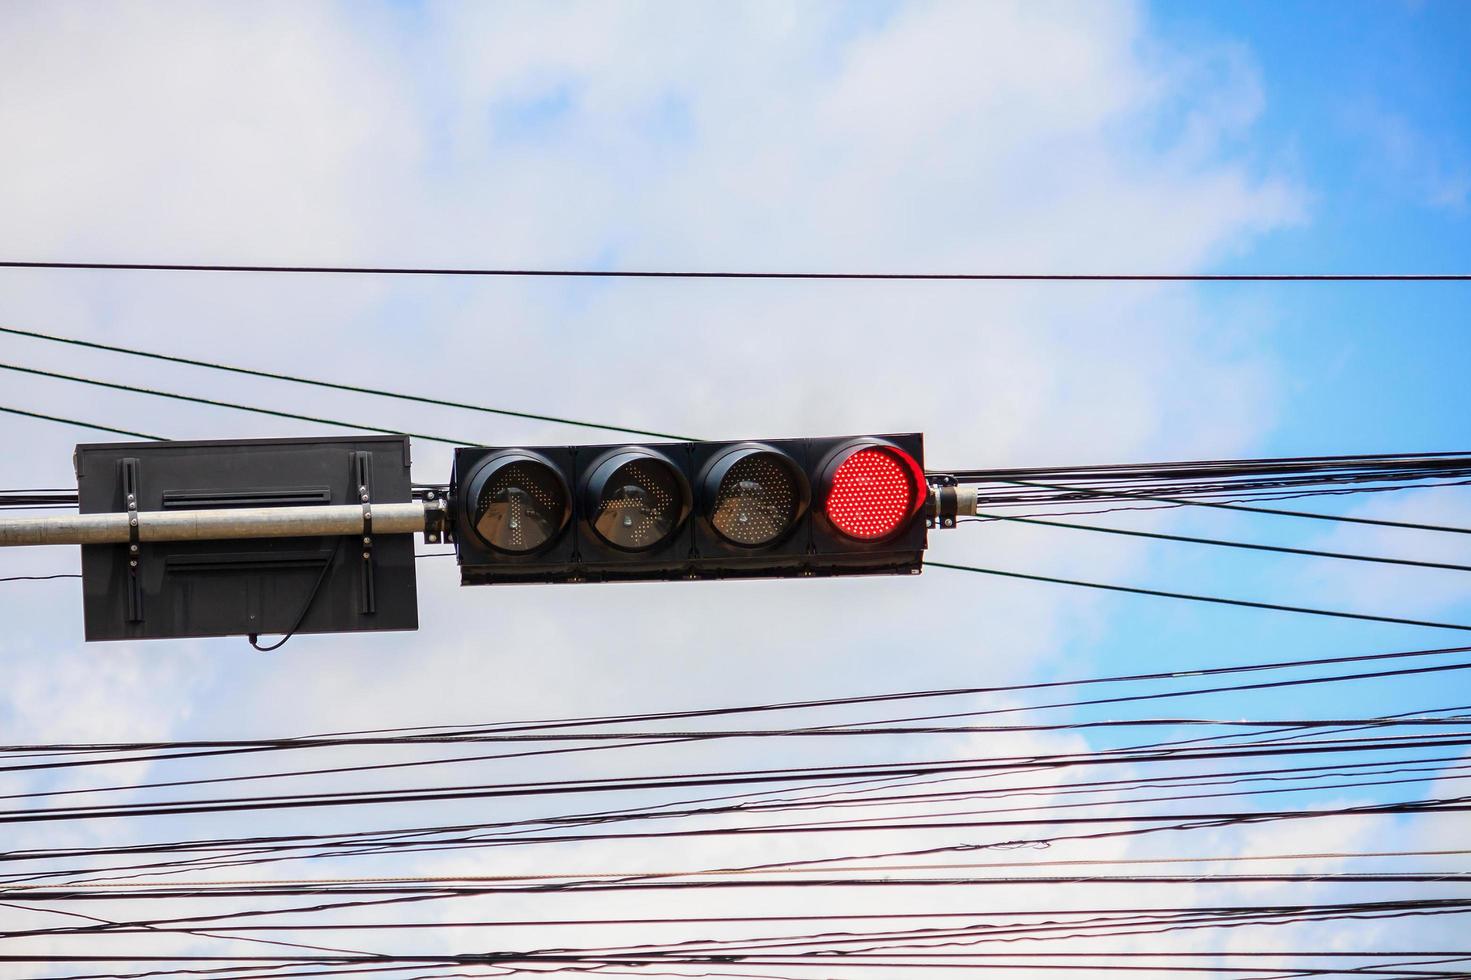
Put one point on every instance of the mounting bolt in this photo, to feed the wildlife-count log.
(367, 555)
(367, 540)
(432, 538)
(429, 495)
(949, 522)
(133, 548)
(133, 522)
(132, 564)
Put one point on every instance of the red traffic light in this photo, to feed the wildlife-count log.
(873, 489)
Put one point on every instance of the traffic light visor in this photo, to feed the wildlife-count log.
(519, 503)
(755, 495)
(636, 499)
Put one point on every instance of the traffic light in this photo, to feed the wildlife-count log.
(850, 505)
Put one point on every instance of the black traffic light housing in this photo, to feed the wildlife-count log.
(686, 510)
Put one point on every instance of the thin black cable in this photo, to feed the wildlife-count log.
(306, 606)
(1007, 689)
(39, 578)
(1199, 598)
(658, 950)
(1126, 923)
(82, 425)
(708, 274)
(236, 406)
(399, 839)
(342, 738)
(338, 386)
(982, 477)
(1248, 479)
(1297, 495)
(204, 935)
(1220, 689)
(693, 780)
(1229, 911)
(1410, 720)
(37, 498)
(982, 518)
(1226, 912)
(63, 893)
(1352, 465)
(364, 840)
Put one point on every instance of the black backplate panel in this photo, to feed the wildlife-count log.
(232, 588)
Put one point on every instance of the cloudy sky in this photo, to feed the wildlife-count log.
(936, 137)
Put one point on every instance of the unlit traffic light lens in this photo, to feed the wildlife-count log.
(520, 505)
(871, 493)
(757, 500)
(637, 501)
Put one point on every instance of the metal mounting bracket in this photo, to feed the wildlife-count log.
(944, 505)
(362, 472)
(131, 492)
(436, 517)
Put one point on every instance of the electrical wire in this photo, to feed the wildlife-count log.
(299, 846)
(826, 869)
(306, 606)
(338, 386)
(1198, 598)
(119, 891)
(532, 725)
(82, 425)
(399, 839)
(700, 779)
(236, 406)
(980, 477)
(511, 272)
(982, 518)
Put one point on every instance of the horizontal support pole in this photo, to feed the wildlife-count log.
(218, 525)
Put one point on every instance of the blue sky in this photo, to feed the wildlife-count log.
(1367, 101)
(1246, 137)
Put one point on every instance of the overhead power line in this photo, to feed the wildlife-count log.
(1198, 598)
(512, 272)
(80, 424)
(335, 385)
(979, 476)
(983, 518)
(792, 777)
(215, 403)
(351, 886)
(242, 851)
(548, 723)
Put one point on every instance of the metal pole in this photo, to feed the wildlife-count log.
(219, 525)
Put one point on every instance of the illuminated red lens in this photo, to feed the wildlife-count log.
(870, 496)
